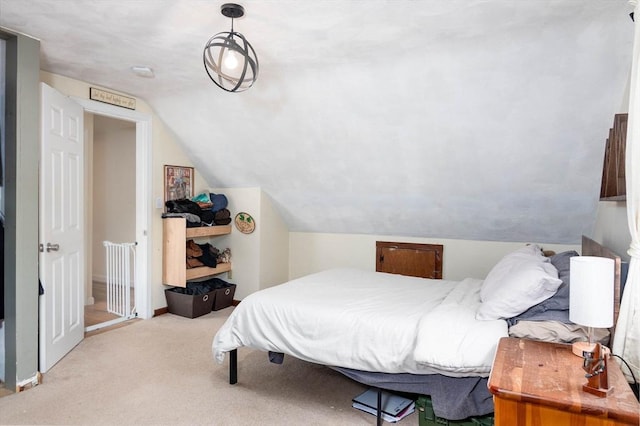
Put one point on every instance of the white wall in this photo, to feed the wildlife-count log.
(245, 248)
(612, 227)
(311, 252)
(274, 247)
(259, 259)
(114, 191)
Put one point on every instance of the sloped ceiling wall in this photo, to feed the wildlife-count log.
(453, 119)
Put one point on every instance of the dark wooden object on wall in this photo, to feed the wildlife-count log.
(613, 186)
(412, 259)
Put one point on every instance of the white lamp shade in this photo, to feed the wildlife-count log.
(591, 291)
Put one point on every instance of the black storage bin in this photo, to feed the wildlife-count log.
(224, 296)
(223, 290)
(189, 305)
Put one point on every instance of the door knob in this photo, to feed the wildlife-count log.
(52, 247)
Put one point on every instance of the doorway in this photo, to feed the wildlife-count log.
(67, 156)
(112, 162)
(141, 182)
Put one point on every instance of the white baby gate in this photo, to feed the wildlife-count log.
(120, 258)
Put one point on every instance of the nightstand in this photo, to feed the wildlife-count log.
(538, 384)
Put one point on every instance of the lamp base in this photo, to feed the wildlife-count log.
(595, 364)
(578, 348)
(597, 391)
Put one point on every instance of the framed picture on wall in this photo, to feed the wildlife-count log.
(178, 182)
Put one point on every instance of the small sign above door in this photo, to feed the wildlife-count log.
(111, 98)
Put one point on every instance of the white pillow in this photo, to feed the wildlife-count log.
(517, 282)
(513, 260)
(529, 252)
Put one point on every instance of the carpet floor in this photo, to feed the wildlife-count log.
(161, 372)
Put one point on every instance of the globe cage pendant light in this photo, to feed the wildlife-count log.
(229, 59)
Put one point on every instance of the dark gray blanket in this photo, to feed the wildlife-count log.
(453, 398)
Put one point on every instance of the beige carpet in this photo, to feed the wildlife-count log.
(161, 372)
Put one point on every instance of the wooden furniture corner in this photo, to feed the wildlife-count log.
(540, 383)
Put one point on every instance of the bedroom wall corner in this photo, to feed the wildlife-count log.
(259, 259)
(274, 244)
(612, 227)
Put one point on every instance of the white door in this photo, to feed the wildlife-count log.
(61, 227)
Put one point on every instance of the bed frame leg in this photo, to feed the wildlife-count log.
(379, 407)
(233, 367)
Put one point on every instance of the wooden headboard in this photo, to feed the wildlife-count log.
(593, 248)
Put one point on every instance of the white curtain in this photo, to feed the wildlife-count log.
(627, 336)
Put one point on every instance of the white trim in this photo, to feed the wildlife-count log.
(111, 111)
(29, 383)
(143, 195)
(142, 279)
(109, 323)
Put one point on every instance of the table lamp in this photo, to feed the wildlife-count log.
(591, 305)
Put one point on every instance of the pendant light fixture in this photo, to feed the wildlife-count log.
(229, 59)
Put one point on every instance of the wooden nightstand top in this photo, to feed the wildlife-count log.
(549, 374)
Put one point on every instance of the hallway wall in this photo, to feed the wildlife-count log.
(114, 174)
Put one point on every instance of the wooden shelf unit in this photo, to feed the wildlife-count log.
(613, 184)
(174, 251)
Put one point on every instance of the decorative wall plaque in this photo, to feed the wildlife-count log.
(178, 182)
(245, 223)
(111, 98)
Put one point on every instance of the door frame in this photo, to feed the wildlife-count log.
(143, 122)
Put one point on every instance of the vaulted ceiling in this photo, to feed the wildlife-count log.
(472, 119)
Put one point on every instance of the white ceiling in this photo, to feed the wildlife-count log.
(474, 119)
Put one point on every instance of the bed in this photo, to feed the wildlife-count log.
(408, 334)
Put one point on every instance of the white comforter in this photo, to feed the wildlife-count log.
(368, 321)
